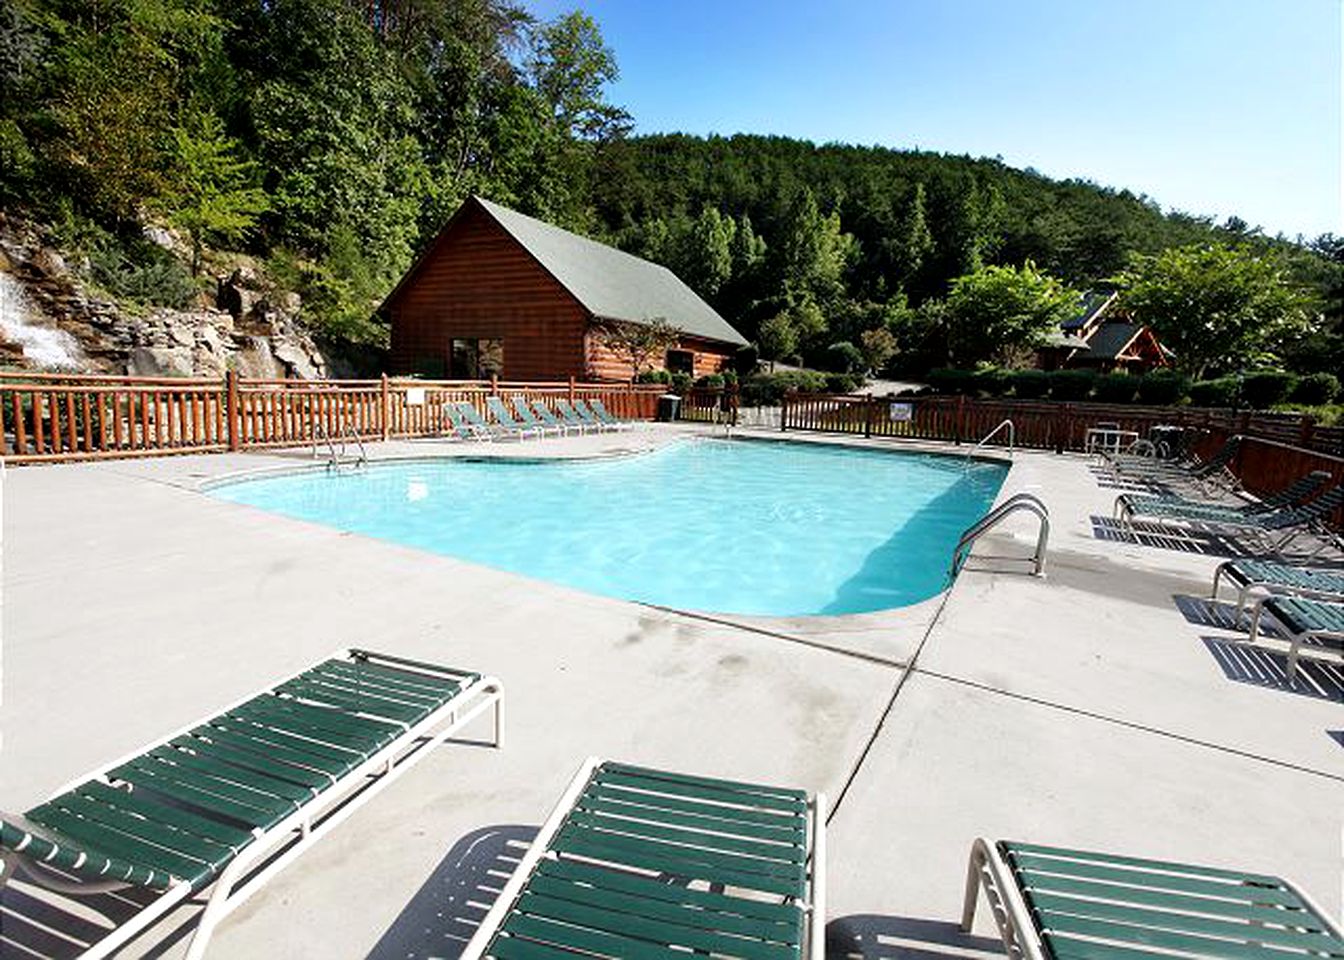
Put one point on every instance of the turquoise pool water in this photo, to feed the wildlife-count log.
(766, 528)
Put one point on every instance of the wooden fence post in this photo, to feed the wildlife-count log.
(1306, 431)
(494, 384)
(961, 417)
(386, 408)
(783, 411)
(235, 424)
(571, 388)
(868, 418)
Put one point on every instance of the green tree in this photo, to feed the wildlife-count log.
(813, 252)
(996, 312)
(213, 194)
(570, 65)
(1215, 306)
(706, 260)
(878, 346)
(777, 338)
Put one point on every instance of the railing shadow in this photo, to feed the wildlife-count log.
(1155, 535)
(34, 923)
(445, 912)
(1246, 663)
(1204, 612)
(864, 936)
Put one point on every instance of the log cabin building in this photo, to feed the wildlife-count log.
(502, 294)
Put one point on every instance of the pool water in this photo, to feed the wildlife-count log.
(747, 527)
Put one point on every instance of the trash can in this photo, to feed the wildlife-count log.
(669, 405)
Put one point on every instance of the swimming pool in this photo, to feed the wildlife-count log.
(724, 526)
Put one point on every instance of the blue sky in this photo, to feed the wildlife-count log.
(1209, 106)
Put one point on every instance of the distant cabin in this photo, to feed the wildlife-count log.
(1108, 341)
(499, 293)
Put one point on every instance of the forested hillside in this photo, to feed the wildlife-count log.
(327, 140)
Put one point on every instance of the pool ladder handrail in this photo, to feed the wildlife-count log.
(1018, 502)
(1012, 438)
(347, 434)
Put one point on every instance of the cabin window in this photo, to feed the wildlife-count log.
(477, 358)
(431, 366)
(680, 361)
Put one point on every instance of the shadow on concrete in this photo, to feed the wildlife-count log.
(444, 913)
(864, 936)
(1203, 612)
(1155, 535)
(35, 923)
(1336, 735)
(1259, 667)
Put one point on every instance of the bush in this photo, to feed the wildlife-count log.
(1264, 388)
(1030, 384)
(746, 360)
(844, 357)
(768, 389)
(139, 271)
(993, 381)
(1071, 384)
(949, 380)
(843, 382)
(713, 381)
(1163, 387)
(681, 382)
(1116, 388)
(1315, 390)
(730, 377)
(653, 376)
(1221, 392)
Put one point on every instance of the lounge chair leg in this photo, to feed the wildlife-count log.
(975, 872)
(1256, 614)
(8, 867)
(1292, 661)
(214, 912)
(499, 722)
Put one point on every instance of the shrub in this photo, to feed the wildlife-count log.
(767, 389)
(844, 357)
(713, 381)
(138, 270)
(993, 381)
(1316, 389)
(949, 380)
(1116, 388)
(1163, 387)
(681, 382)
(1214, 393)
(1264, 388)
(653, 376)
(843, 382)
(1071, 384)
(730, 377)
(1031, 384)
(746, 360)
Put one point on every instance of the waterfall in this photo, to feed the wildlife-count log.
(45, 347)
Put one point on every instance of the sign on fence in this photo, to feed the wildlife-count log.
(901, 412)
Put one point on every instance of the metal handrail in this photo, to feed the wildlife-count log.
(1012, 438)
(1027, 502)
(347, 433)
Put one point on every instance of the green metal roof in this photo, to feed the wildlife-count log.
(612, 284)
(1110, 340)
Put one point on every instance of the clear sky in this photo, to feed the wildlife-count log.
(1213, 107)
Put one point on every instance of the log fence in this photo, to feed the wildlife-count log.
(64, 417)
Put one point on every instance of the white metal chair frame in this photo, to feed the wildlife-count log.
(277, 846)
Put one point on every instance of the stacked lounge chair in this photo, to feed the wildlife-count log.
(1167, 473)
(508, 423)
(571, 418)
(606, 416)
(463, 425)
(1173, 505)
(588, 416)
(643, 863)
(1273, 530)
(529, 417)
(545, 415)
(223, 804)
(1052, 903)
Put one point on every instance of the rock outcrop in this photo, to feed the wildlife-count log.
(242, 330)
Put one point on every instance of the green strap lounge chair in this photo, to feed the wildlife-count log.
(463, 425)
(1172, 505)
(1199, 472)
(507, 422)
(472, 417)
(218, 807)
(571, 417)
(545, 415)
(1305, 620)
(646, 864)
(587, 415)
(1273, 531)
(600, 411)
(1056, 904)
(1272, 576)
(530, 419)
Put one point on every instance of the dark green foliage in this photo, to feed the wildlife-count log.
(653, 376)
(1264, 388)
(951, 380)
(137, 270)
(768, 389)
(746, 360)
(1315, 389)
(1221, 392)
(993, 381)
(843, 382)
(844, 357)
(681, 382)
(1071, 384)
(1163, 387)
(1030, 384)
(1116, 388)
(712, 381)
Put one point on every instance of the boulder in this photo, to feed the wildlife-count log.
(296, 359)
(160, 236)
(49, 262)
(159, 362)
(254, 359)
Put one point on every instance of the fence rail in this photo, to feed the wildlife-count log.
(54, 417)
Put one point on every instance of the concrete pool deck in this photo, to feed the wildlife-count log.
(1101, 706)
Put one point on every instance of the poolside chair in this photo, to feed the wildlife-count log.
(1173, 505)
(463, 425)
(643, 863)
(1286, 523)
(595, 422)
(1303, 620)
(1200, 473)
(571, 418)
(504, 417)
(1272, 576)
(225, 803)
(600, 411)
(530, 419)
(544, 414)
(472, 416)
(1052, 903)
